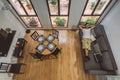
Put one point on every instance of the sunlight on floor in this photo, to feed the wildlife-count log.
(40, 32)
(63, 36)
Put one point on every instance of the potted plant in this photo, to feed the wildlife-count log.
(59, 21)
(8, 30)
(90, 21)
(92, 6)
(33, 22)
(101, 4)
(53, 2)
(28, 5)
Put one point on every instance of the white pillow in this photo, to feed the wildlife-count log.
(92, 37)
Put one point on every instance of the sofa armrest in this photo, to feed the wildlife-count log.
(103, 72)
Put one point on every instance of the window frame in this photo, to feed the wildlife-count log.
(27, 15)
(50, 15)
(95, 8)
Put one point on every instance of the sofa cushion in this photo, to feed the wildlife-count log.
(98, 31)
(102, 44)
(106, 64)
(91, 64)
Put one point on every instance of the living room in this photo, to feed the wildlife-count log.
(110, 22)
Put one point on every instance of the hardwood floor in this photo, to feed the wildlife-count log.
(68, 65)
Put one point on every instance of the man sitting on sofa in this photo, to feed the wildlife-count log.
(87, 38)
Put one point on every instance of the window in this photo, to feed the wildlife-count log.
(27, 13)
(59, 12)
(93, 10)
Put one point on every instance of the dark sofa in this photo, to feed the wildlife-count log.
(105, 64)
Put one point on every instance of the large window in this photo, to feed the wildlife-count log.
(59, 12)
(27, 13)
(93, 10)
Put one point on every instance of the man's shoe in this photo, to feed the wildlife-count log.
(87, 58)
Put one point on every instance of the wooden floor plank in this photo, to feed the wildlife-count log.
(68, 65)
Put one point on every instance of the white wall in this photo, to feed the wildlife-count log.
(5, 76)
(76, 10)
(42, 12)
(7, 19)
(112, 28)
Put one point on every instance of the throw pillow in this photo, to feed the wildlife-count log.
(92, 37)
(98, 58)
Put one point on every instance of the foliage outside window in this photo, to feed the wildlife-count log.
(60, 21)
(89, 19)
(53, 2)
(92, 6)
(26, 12)
(93, 10)
(59, 10)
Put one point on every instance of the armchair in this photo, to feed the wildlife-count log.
(35, 35)
(56, 52)
(55, 33)
(37, 56)
(11, 68)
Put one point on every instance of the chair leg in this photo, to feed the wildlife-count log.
(60, 50)
(41, 58)
(56, 57)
